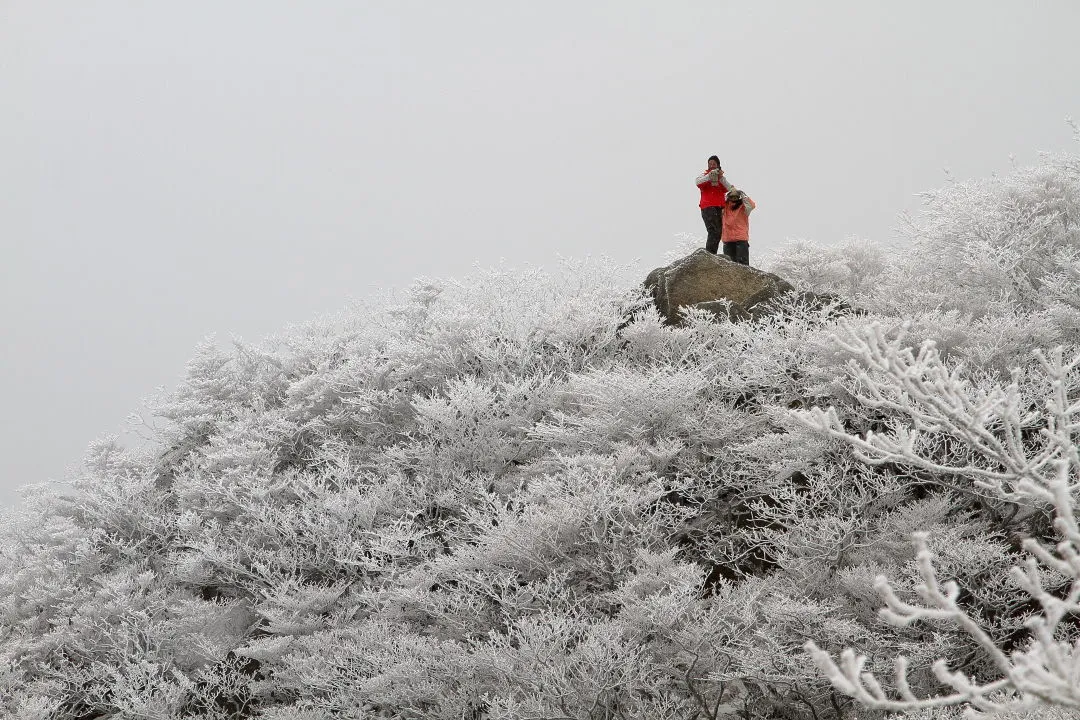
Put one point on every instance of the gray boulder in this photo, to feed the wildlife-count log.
(714, 283)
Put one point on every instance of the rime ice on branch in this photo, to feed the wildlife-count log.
(993, 424)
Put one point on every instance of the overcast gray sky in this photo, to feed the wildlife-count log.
(174, 169)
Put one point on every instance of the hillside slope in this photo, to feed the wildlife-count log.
(524, 496)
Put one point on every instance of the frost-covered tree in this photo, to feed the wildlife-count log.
(987, 268)
(522, 495)
(852, 269)
(1019, 450)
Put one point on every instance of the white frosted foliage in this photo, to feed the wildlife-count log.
(522, 495)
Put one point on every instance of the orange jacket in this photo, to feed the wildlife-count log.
(737, 222)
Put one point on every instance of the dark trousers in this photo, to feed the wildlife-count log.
(738, 251)
(714, 226)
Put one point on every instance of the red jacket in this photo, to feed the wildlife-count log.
(712, 195)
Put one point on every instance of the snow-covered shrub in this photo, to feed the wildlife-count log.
(987, 268)
(982, 245)
(851, 269)
(524, 496)
(1021, 452)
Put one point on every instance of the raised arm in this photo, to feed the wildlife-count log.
(704, 178)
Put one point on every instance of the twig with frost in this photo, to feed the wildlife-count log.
(932, 398)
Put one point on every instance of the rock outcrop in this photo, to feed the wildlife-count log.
(714, 283)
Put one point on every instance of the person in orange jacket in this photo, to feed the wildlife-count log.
(713, 186)
(736, 230)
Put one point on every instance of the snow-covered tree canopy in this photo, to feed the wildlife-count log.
(524, 496)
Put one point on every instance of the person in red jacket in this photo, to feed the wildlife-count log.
(737, 226)
(713, 186)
